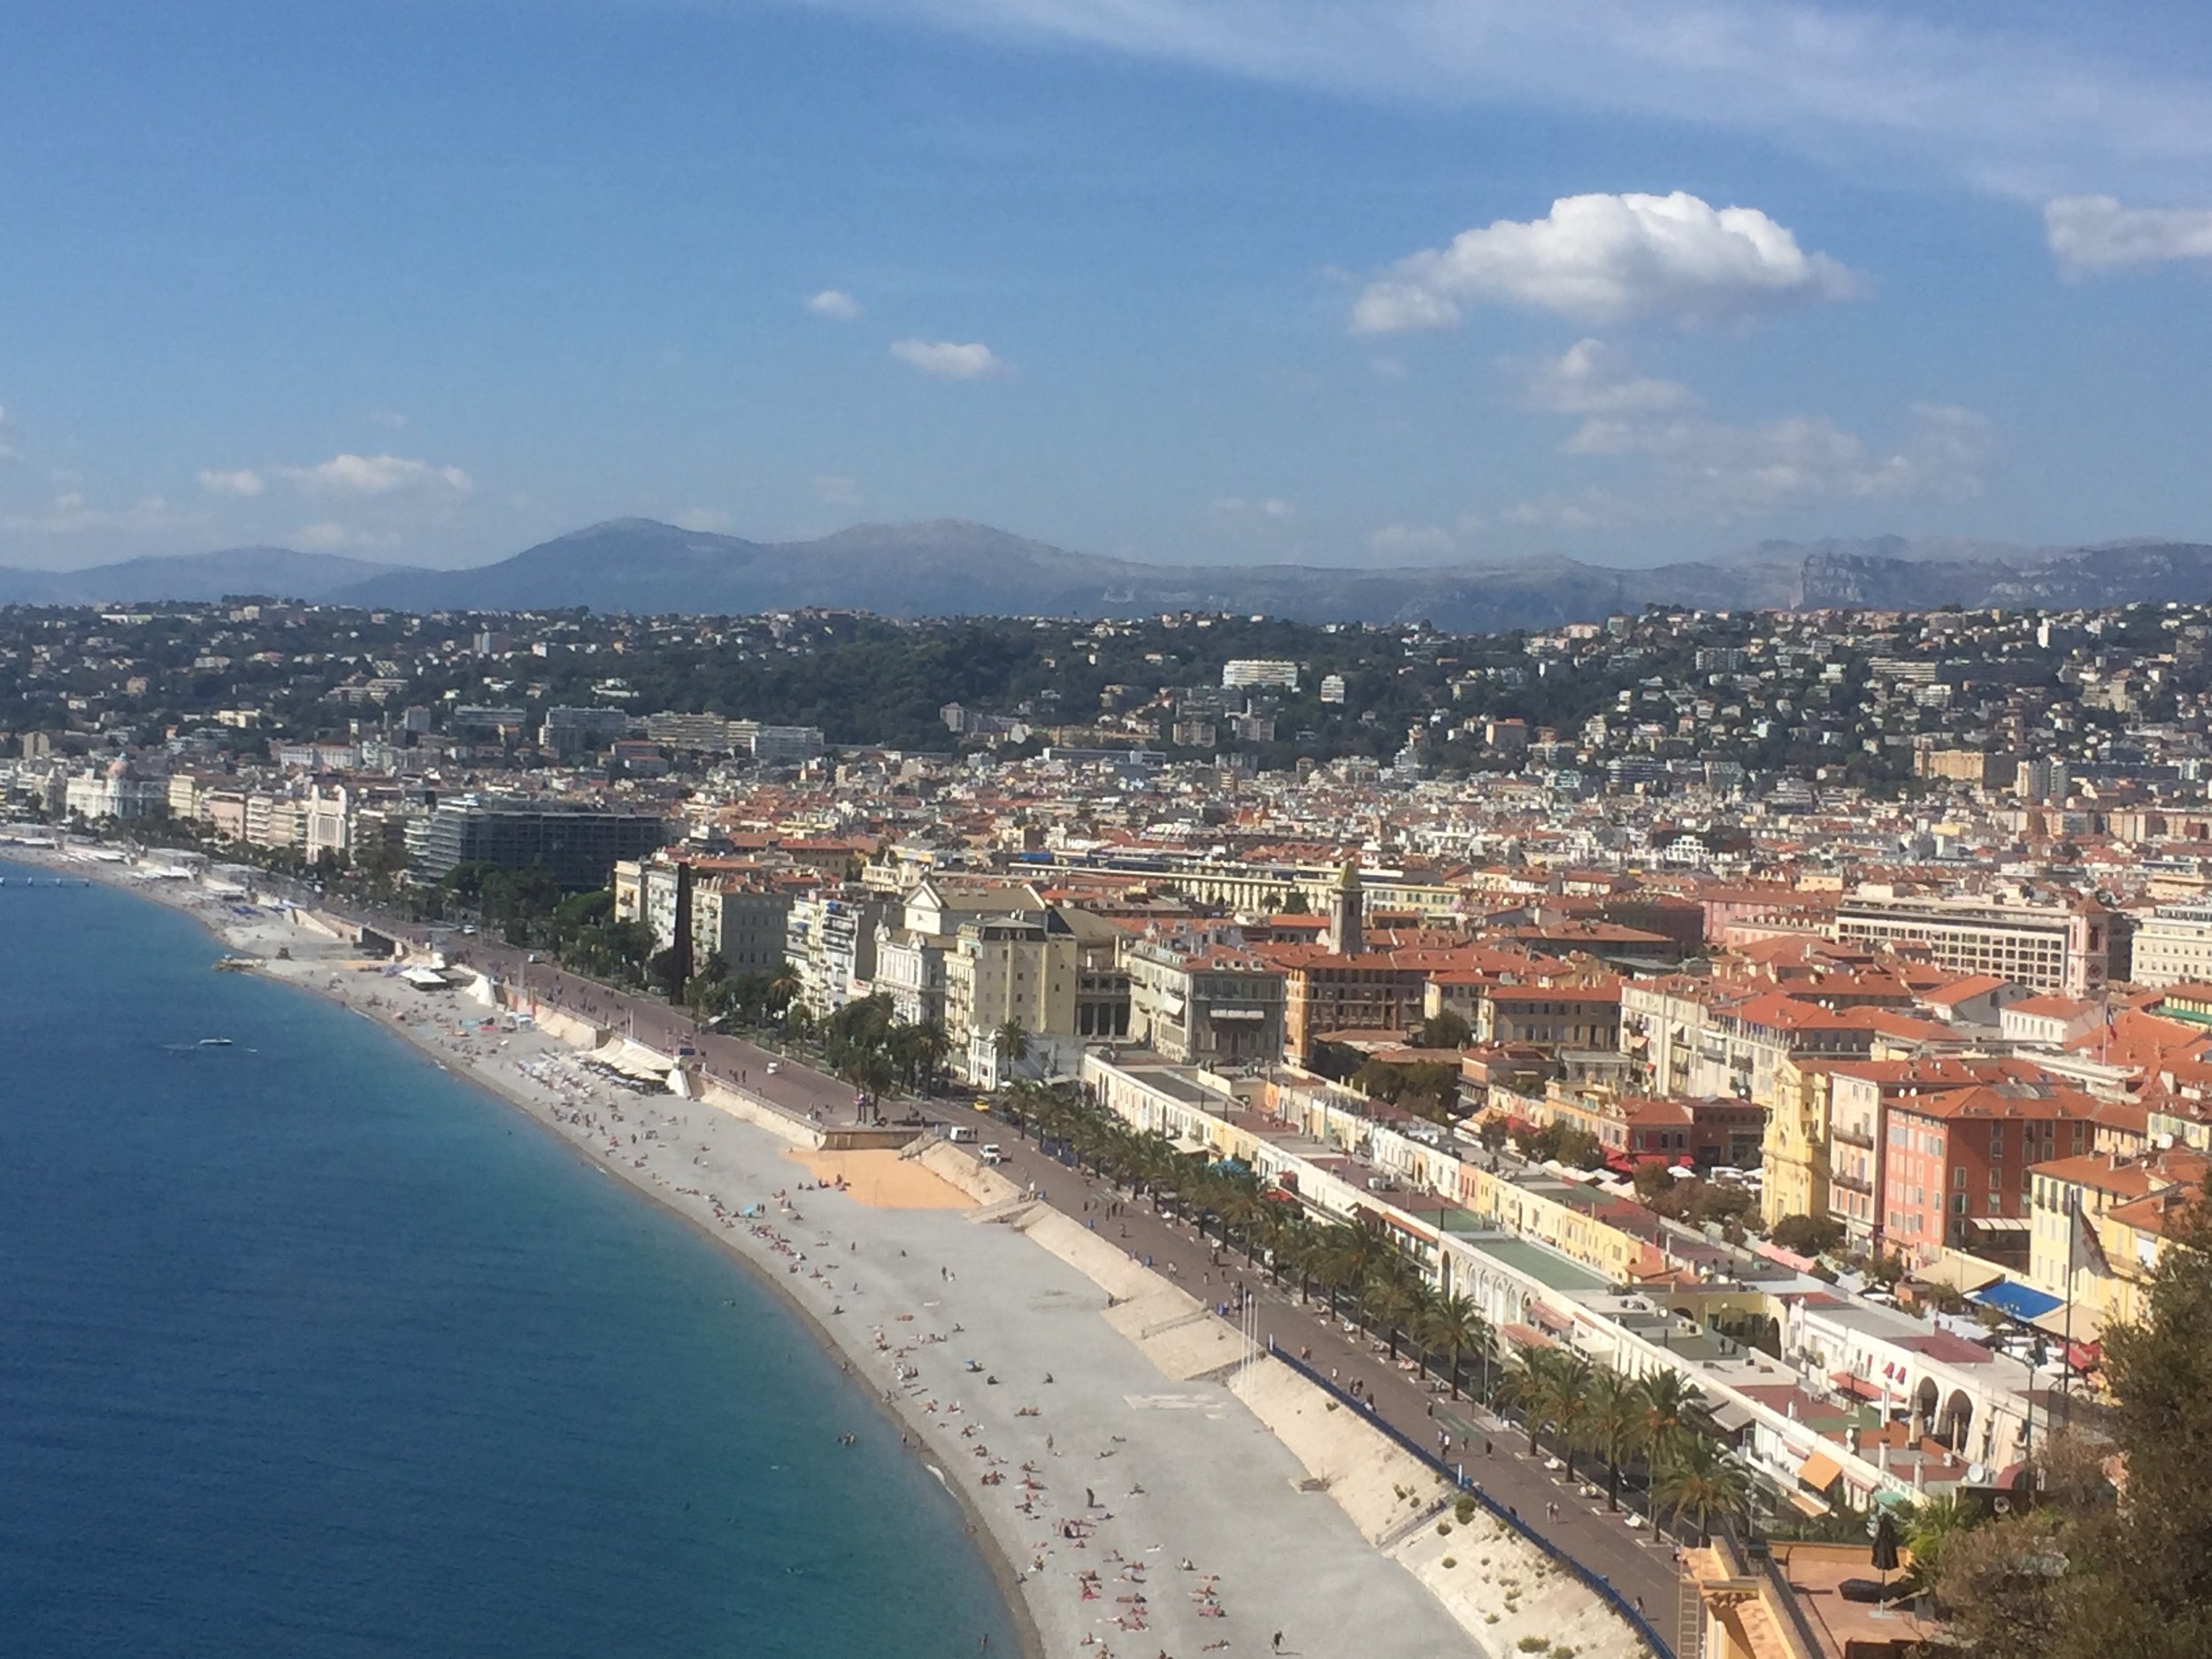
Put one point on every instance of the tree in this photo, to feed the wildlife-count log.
(1807, 1235)
(1613, 1424)
(1446, 1030)
(1453, 1326)
(1674, 1412)
(2080, 1578)
(1696, 1477)
(1011, 1043)
(1493, 1133)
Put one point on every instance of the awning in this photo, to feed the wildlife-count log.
(1729, 1416)
(1858, 1387)
(633, 1061)
(1524, 1336)
(1189, 1144)
(1819, 1471)
(1805, 1504)
(1959, 1273)
(2078, 1325)
(2016, 1300)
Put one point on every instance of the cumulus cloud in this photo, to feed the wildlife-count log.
(834, 302)
(1593, 378)
(242, 481)
(949, 361)
(704, 519)
(2089, 234)
(1687, 465)
(378, 475)
(837, 489)
(2034, 104)
(1610, 258)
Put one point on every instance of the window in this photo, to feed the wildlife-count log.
(1958, 1177)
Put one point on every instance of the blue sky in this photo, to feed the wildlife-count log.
(1402, 281)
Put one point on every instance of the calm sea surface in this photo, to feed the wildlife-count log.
(306, 1349)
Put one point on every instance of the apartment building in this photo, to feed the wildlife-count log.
(830, 945)
(2173, 946)
(1955, 1166)
(1550, 1016)
(1203, 998)
(1017, 968)
(2044, 946)
(2097, 1229)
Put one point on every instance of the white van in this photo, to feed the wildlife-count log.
(990, 1153)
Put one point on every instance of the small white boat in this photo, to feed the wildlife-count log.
(214, 1042)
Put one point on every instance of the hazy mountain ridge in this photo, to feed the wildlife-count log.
(949, 567)
(277, 571)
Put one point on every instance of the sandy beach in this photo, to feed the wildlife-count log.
(1087, 1413)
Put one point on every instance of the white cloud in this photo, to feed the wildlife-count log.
(1593, 377)
(1238, 507)
(837, 489)
(377, 475)
(390, 419)
(2041, 104)
(242, 481)
(7, 449)
(1688, 466)
(949, 361)
(1610, 258)
(2089, 234)
(704, 519)
(834, 302)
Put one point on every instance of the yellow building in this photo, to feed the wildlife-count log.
(1793, 1153)
(2097, 1229)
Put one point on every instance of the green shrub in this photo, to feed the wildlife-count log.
(1533, 1644)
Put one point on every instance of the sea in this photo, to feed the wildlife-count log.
(309, 1349)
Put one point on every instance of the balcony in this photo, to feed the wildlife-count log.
(1863, 1138)
(1851, 1183)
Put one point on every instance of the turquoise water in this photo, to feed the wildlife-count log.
(307, 1349)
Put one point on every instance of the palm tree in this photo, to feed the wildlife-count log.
(1674, 1410)
(1696, 1478)
(1453, 1326)
(1391, 1305)
(1613, 1421)
(1930, 1523)
(1011, 1043)
(1565, 1399)
(1525, 1387)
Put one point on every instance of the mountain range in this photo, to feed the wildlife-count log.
(951, 567)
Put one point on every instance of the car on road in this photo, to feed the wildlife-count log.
(775, 1066)
(990, 1153)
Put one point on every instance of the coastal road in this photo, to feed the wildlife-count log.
(1638, 1563)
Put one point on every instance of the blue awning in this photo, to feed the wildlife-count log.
(2016, 1300)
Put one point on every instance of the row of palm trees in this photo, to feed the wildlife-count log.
(1659, 1418)
(1361, 1271)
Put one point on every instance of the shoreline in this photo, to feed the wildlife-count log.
(1215, 1456)
(188, 899)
